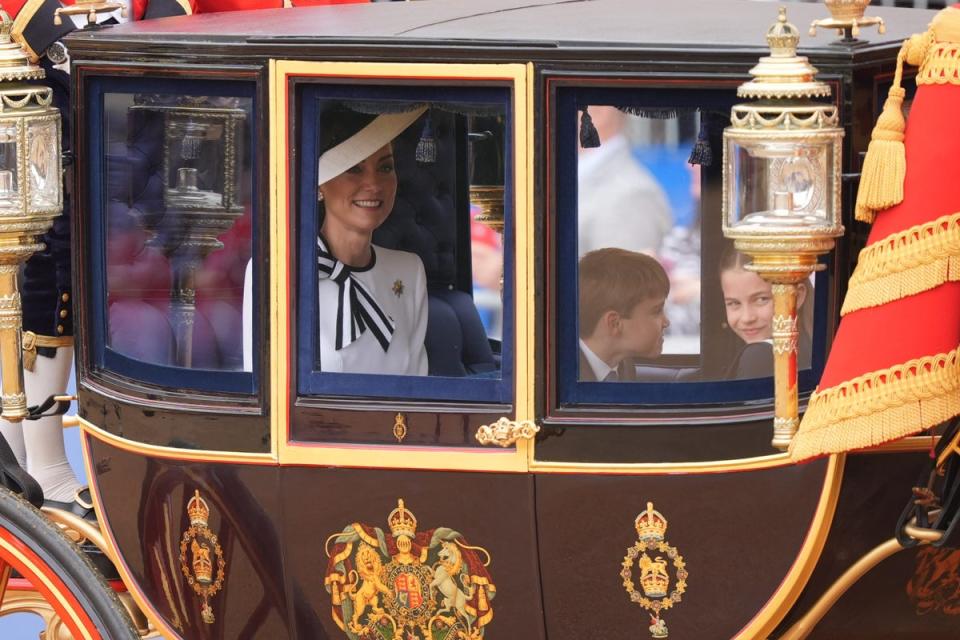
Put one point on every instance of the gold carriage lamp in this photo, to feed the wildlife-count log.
(846, 16)
(486, 136)
(781, 182)
(90, 9)
(202, 161)
(31, 196)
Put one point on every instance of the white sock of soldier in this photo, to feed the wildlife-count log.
(13, 433)
(46, 455)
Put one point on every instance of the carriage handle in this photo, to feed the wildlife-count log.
(506, 432)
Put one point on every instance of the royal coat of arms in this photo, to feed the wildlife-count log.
(408, 585)
(655, 558)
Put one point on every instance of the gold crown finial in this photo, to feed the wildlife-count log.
(783, 37)
(6, 26)
(197, 510)
(783, 74)
(402, 522)
(651, 525)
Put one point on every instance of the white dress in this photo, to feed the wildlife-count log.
(399, 285)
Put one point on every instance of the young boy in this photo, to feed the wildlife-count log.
(621, 312)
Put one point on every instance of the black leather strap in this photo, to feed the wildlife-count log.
(49, 407)
(16, 479)
(935, 500)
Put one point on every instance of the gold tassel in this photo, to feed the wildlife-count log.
(885, 166)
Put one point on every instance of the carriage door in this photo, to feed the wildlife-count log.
(654, 460)
(401, 397)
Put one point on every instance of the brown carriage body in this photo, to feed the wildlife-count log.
(282, 470)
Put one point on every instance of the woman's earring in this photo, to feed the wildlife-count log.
(319, 196)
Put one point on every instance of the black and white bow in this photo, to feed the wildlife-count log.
(357, 310)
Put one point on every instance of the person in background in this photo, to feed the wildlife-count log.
(621, 317)
(486, 251)
(619, 203)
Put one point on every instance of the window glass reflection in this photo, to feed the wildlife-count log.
(178, 228)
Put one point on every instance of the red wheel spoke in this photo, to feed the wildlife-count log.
(5, 571)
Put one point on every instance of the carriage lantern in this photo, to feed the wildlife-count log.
(486, 169)
(202, 160)
(31, 195)
(781, 183)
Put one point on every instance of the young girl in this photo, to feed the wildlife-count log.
(748, 301)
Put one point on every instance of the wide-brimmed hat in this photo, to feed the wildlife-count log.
(894, 369)
(362, 138)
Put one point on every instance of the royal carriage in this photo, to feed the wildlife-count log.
(242, 491)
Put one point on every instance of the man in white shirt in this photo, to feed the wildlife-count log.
(619, 202)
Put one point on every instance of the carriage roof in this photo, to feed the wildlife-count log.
(542, 28)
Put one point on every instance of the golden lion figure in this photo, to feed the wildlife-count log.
(365, 589)
(653, 572)
(202, 565)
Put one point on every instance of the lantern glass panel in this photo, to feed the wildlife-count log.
(43, 165)
(11, 202)
(195, 160)
(793, 177)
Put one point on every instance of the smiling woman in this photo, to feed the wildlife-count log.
(372, 300)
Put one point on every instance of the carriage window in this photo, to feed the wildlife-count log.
(404, 227)
(176, 226)
(661, 297)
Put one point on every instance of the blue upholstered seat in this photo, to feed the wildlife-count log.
(431, 218)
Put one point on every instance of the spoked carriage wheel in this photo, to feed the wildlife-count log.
(41, 570)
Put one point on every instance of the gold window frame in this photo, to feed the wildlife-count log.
(513, 459)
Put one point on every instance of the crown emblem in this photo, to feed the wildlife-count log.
(402, 522)
(651, 525)
(783, 37)
(654, 578)
(654, 556)
(202, 565)
(201, 557)
(197, 510)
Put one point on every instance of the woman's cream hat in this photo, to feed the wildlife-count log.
(365, 142)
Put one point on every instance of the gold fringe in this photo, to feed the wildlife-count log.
(906, 263)
(880, 406)
(941, 66)
(885, 165)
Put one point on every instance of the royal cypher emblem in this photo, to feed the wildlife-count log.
(654, 556)
(199, 550)
(408, 585)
